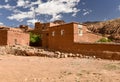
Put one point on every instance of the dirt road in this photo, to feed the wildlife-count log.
(37, 69)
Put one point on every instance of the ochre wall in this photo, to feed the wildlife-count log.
(105, 51)
(86, 36)
(21, 38)
(59, 41)
(70, 36)
(3, 37)
(71, 42)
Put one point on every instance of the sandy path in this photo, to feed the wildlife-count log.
(37, 69)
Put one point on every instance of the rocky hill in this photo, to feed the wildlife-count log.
(110, 29)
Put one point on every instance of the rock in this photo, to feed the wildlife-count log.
(30, 53)
(58, 56)
(66, 55)
(70, 55)
(94, 57)
(57, 52)
(77, 55)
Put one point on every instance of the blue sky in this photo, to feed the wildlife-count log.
(16, 12)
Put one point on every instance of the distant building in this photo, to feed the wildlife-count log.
(63, 35)
(13, 36)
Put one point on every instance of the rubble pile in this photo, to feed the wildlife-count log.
(31, 51)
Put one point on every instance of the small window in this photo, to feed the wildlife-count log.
(47, 34)
(80, 31)
(53, 33)
(62, 32)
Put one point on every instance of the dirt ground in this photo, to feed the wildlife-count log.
(41, 69)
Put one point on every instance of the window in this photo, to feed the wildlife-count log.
(47, 34)
(80, 30)
(53, 33)
(62, 32)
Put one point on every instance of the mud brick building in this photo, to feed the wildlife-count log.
(74, 38)
(13, 36)
(56, 35)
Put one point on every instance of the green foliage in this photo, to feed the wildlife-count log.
(34, 38)
(104, 39)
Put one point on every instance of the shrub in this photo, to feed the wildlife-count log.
(34, 39)
(104, 39)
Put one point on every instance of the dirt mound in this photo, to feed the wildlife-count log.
(110, 28)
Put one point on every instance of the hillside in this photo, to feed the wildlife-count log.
(110, 29)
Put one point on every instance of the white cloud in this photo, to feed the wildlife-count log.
(56, 17)
(54, 8)
(21, 16)
(86, 12)
(32, 21)
(1, 23)
(7, 7)
(6, 1)
(20, 3)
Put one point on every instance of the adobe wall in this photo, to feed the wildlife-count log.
(105, 51)
(100, 50)
(41, 26)
(19, 38)
(59, 41)
(86, 36)
(3, 37)
(69, 42)
(44, 37)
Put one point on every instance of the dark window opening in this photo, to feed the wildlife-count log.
(47, 34)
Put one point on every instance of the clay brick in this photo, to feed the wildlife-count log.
(13, 37)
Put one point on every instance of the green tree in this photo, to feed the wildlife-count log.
(34, 39)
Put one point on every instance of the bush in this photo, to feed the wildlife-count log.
(34, 39)
(104, 39)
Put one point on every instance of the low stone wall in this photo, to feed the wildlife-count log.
(104, 51)
(100, 50)
(32, 51)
